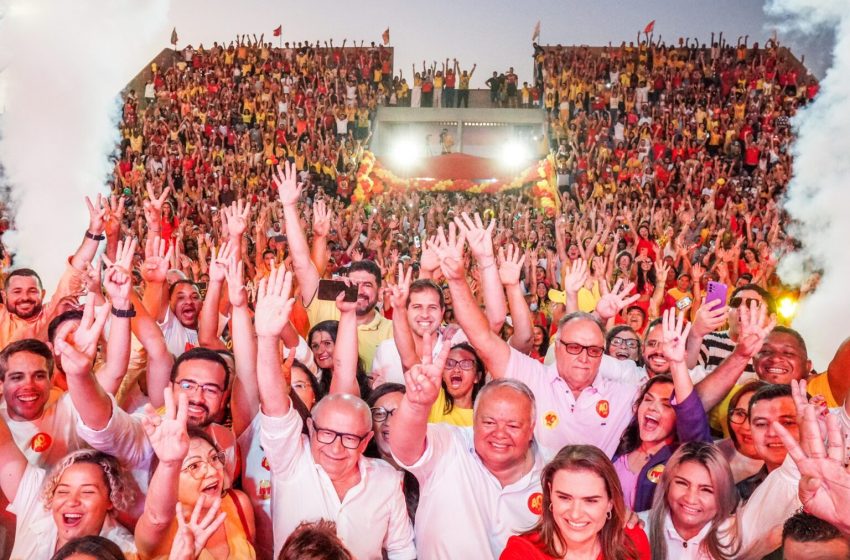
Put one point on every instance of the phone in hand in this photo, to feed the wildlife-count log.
(329, 290)
(716, 293)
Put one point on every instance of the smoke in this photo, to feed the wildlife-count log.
(818, 198)
(63, 66)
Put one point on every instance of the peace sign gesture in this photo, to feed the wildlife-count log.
(167, 433)
(424, 380)
(286, 181)
(98, 214)
(78, 351)
(400, 291)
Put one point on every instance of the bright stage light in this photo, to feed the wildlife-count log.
(787, 307)
(515, 154)
(406, 152)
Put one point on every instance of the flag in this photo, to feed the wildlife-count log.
(277, 31)
(649, 27)
(174, 36)
(386, 36)
(536, 34)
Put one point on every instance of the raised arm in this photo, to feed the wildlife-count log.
(245, 400)
(708, 319)
(160, 360)
(208, 327)
(118, 284)
(321, 228)
(480, 241)
(423, 382)
(153, 270)
(272, 313)
(98, 212)
(170, 441)
(493, 350)
(403, 336)
(289, 191)
(345, 356)
(510, 269)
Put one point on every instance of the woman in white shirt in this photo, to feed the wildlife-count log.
(80, 496)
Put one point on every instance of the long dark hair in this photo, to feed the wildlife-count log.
(331, 327)
(480, 371)
(631, 437)
(91, 545)
(614, 542)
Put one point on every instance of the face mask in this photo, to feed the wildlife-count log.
(533, 307)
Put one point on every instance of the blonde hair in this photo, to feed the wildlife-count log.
(122, 489)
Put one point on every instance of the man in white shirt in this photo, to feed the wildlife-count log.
(323, 475)
(479, 485)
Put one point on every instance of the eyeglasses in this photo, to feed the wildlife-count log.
(327, 437)
(738, 416)
(736, 302)
(195, 468)
(627, 342)
(381, 414)
(466, 364)
(209, 389)
(575, 349)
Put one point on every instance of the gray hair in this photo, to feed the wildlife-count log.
(580, 316)
(514, 385)
(355, 404)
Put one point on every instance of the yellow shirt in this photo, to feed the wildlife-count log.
(369, 336)
(457, 417)
(819, 385)
(717, 416)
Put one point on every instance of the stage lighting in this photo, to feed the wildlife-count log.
(406, 152)
(515, 154)
(787, 307)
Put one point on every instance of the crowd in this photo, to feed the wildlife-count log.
(260, 369)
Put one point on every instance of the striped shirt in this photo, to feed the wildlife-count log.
(715, 348)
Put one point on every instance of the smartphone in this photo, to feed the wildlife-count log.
(683, 303)
(716, 294)
(330, 289)
(416, 241)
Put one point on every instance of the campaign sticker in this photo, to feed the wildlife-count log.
(550, 419)
(264, 491)
(603, 408)
(265, 463)
(535, 503)
(654, 474)
(41, 442)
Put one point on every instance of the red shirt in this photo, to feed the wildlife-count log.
(528, 548)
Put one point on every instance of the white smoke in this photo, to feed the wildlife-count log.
(819, 192)
(63, 66)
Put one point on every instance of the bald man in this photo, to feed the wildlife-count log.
(324, 475)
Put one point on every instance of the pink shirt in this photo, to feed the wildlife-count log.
(628, 480)
(598, 417)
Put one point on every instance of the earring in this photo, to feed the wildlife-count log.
(550, 507)
(609, 514)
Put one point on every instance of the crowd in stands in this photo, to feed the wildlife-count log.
(262, 369)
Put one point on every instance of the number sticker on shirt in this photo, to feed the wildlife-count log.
(41, 442)
(535, 503)
(603, 408)
(550, 419)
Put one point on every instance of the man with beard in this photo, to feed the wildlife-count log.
(372, 327)
(24, 313)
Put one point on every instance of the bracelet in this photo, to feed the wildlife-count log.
(125, 313)
(96, 237)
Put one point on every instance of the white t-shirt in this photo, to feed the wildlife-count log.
(464, 512)
(178, 338)
(388, 360)
(373, 514)
(46, 440)
(36, 532)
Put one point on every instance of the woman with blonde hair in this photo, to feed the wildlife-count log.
(584, 514)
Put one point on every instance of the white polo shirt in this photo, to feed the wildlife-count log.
(46, 440)
(373, 514)
(464, 512)
(388, 359)
(257, 485)
(36, 532)
(598, 417)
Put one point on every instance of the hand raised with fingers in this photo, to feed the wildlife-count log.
(286, 180)
(115, 216)
(400, 291)
(193, 534)
(424, 380)
(273, 302)
(219, 261)
(674, 335)
(321, 219)
(450, 252)
(511, 262)
(478, 237)
(429, 260)
(167, 433)
(576, 276)
(234, 275)
(709, 319)
(755, 325)
(157, 259)
(618, 298)
(79, 347)
(98, 214)
(234, 220)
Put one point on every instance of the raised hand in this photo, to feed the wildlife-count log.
(400, 291)
(192, 535)
(118, 281)
(755, 326)
(115, 216)
(576, 276)
(234, 219)
(273, 302)
(219, 261)
(321, 219)
(167, 433)
(429, 260)
(674, 334)
(450, 252)
(709, 319)
(424, 380)
(234, 275)
(661, 271)
(98, 214)
(510, 265)
(478, 237)
(286, 181)
(157, 259)
(611, 303)
(153, 206)
(79, 347)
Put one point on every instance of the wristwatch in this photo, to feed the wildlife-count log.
(125, 313)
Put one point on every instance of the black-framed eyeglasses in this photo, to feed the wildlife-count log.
(627, 342)
(327, 437)
(738, 416)
(736, 302)
(209, 389)
(465, 364)
(381, 414)
(575, 349)
(196, 468)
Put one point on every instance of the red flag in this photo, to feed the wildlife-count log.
(174, 36)
(386, 36)
(535, 35)
(649, 27)
(278, 30)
